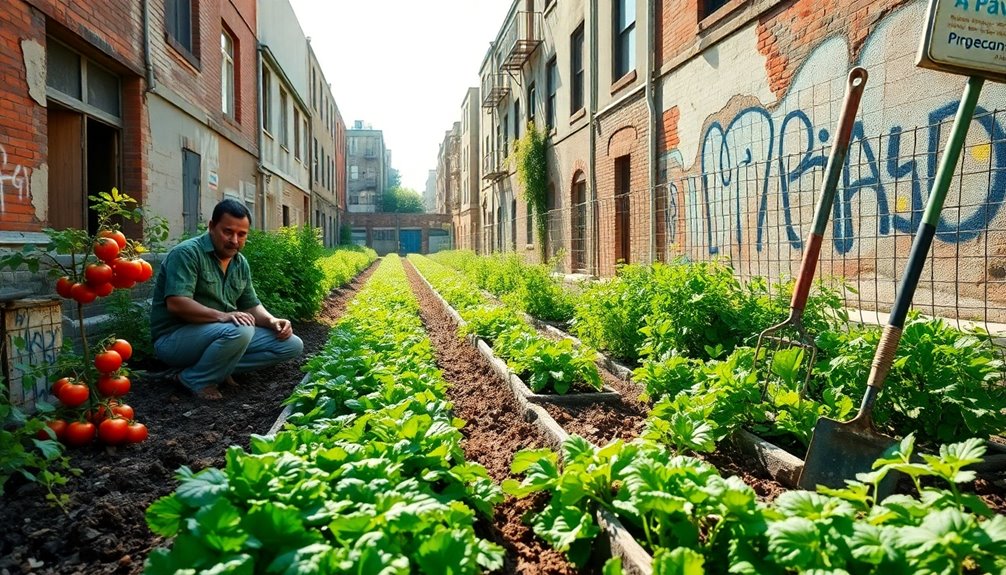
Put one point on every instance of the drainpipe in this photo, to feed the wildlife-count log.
(651, 107)
(592, 105)
(148, 64)
(260, 190)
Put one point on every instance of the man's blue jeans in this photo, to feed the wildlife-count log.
(209, 352)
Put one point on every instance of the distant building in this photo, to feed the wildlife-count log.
(285, 116)
(328, 156)
(467, 218)
(430, 193)
(366, 168)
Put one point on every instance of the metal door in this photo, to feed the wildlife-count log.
(411, 241)
(191, 180)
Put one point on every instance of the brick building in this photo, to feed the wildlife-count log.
(328, 162)
(72, 112)
(702, 127)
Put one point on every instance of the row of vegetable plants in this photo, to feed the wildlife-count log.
(367, 476)
(544, 364)
(696, 521)
(690, 327)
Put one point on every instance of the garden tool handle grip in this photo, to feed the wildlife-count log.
(884, 357)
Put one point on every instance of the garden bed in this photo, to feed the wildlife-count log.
(104, 529)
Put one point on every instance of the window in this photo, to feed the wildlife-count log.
(284, 120)
(296, 133)
(354, 172)
(624, 56)
(576, 71)
(710, 6)
(227, 74)
(266, 100)
(506, 135)
(178, 23)
(316, 164)
(516, 120)
(551, 86)
(530, 103)
(305, 135)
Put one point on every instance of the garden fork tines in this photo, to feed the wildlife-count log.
(832, 172)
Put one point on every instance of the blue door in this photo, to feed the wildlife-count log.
(410, 241)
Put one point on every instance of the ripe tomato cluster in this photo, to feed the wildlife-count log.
(114, 269)
(98, 410)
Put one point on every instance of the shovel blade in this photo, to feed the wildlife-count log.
(839, 450)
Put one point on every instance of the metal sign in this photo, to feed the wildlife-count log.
(965, 37)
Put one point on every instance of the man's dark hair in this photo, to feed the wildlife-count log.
(232, 207)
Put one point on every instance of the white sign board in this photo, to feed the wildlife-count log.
(965, 37)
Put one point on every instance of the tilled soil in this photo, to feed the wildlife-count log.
(495, 430)
(104, 529)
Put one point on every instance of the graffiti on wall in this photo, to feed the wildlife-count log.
(33, 337)
(14, 180)
(758, 166)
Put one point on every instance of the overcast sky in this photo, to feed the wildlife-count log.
(403, 66)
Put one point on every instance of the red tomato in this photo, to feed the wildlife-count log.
(113, 385)
(63, 287)
(59, 385)
(74, 394)
(146, 271)
(123, 348)
(102, 290)
(79, 433)
(108, 361)
(97, 274)
(136, 432)
(58, 427)
(82, 293)
(106, 249)
(129, 269)
(124, 411)
(113, 431)
(119, 237)
(122, 282)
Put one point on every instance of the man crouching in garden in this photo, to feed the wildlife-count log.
(206, 319)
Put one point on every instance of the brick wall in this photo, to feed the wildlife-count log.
(623, 132)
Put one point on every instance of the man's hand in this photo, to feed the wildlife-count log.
(283, 327)
(238, 318)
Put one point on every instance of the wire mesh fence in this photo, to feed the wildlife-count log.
(757, 214)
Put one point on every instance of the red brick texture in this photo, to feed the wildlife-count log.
(22, 140)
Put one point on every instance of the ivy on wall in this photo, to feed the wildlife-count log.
(529, 156)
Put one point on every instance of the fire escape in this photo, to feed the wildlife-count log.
(521, 38)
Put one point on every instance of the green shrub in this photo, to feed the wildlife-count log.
(944, 384)
(283, 264)
(130, 320)
(609, 314)
(342, 264)
(488, 322)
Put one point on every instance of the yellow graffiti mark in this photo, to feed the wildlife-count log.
(901, 204)
(981, 152)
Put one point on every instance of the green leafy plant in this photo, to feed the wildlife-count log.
(285, 271)
(488, 322)
(530, 155)
(547, 365)
(368, 474)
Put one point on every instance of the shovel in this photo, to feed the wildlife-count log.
(838, 451)
(791, 333)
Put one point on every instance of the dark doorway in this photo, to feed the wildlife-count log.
(102, 165)
(578, 223)
(191, 182)
(622, 210)
(513, 225)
